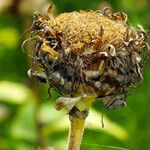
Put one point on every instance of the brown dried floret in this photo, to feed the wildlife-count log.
(89, 52)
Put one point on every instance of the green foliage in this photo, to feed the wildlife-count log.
(28, 119)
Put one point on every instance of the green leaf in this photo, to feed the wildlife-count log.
(9, 37)
(110, 127)
(14, 93)
(24, 126)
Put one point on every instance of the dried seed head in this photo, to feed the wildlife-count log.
(89, 52)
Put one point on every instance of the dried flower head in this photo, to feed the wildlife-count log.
(88, 52)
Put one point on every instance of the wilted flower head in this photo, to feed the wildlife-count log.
(89, 52)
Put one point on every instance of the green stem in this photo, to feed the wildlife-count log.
(77, 126)
(75, 133)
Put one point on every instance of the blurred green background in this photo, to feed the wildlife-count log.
(29, 121)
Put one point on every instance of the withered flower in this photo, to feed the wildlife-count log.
(88, 54)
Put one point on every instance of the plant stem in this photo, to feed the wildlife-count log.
(75, 133)
(77, 126)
